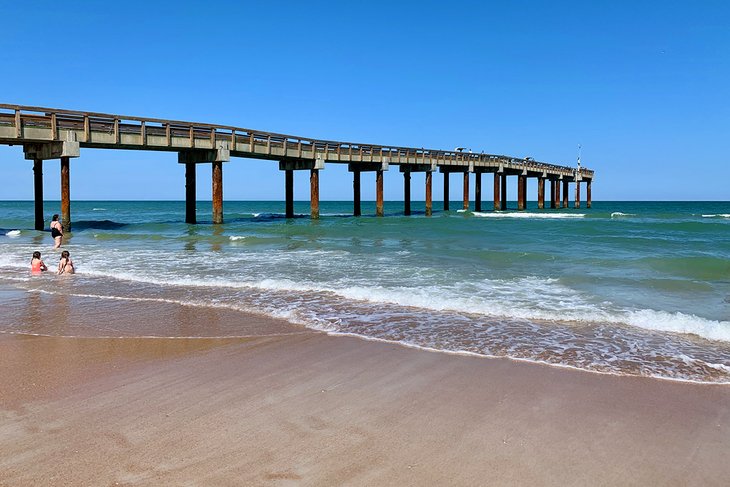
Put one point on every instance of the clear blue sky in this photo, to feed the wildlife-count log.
(643, 86)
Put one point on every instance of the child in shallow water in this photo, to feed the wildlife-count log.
(65, 264)
(36, 264)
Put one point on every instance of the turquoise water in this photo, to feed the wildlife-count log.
(632, 288)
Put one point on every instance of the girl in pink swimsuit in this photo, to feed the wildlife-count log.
(36, 264)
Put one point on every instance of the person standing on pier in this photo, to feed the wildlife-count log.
(56, 231)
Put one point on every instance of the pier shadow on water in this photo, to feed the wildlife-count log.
(98, 225)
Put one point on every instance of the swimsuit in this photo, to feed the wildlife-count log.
(55, 232)
(36, 266)
(66, 265)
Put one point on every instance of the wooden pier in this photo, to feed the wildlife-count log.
(49, 133)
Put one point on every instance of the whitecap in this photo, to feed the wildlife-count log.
(618, 214)
(13, 233)
(237, 237)
(556, 216)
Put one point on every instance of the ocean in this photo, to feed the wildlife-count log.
(625, 288)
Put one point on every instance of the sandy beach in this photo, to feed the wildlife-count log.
(310, 409)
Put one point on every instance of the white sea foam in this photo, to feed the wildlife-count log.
(526, 299)
(237, 237)
(530, 298)
(618, 214)
(719, 215)
(13, 233)
(98, 209)
(550, 216)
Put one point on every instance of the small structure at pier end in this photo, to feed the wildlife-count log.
(49, 133)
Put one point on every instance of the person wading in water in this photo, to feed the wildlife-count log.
(56, 232)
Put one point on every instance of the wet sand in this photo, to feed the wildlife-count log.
(310, 409)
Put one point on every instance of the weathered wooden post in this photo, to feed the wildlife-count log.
(541, 192)
(577, 193)
(588, 193)
(566, 189)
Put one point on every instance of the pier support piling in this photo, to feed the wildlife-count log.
(357, 208)
(314, 193)
(552, 194)
(216, 157)
(65, 194)
(38, 193)
(406, 193)
(446, 191)
(565, 193)
(41, 151)
(358, 167)
(477, 191)
(217, 176)
(379, 193)
(541, 193)
(429, 193)
(466, 191)
(497, 200)
(588, 193)
(521, 190)
(577, 194)
(289, 193)
(190, 193)
(503, 192)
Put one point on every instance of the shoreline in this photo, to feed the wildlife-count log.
(315, 409)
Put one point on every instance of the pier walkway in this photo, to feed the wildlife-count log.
(49, 133)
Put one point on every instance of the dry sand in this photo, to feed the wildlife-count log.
(311, 409)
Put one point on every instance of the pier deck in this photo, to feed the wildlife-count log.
(49, 133)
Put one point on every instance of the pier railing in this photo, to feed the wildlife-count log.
(37, 124)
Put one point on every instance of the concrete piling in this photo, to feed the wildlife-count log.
(38, 193)
(446, 191)
(477, 191)
(217, 176)
(429, 193)
(406, 193)
(65, 194)
(190, 193)
(314, 193)
(357, 209)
